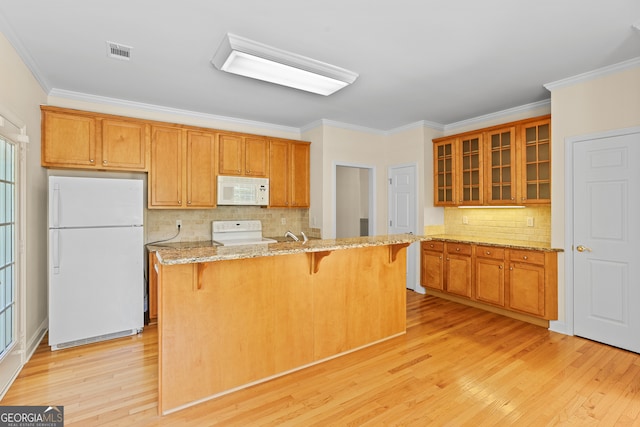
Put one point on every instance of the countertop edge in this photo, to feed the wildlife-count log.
(503, 243)
(177, 256)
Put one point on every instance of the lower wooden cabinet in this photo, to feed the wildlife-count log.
(458, 269)
(530, 274)
(432, 265)
(516, 280)
(489, 278)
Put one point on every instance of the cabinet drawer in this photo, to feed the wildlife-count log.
(459, 248)
(533, 257)
(490, 252)
(433, 246)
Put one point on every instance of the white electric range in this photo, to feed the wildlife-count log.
(235, 233)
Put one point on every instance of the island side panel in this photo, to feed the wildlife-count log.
(228, 323)
(359, 298)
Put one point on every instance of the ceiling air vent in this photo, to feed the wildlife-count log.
(118, 51)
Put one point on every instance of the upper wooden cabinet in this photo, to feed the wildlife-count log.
(243, 155)
(508, 164)
(289, 173)
(182, 169)
(82, 140)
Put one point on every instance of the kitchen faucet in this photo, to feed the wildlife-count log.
(290, 234)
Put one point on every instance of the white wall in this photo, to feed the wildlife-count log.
(583, 107)
(348, 192)
(21, 94)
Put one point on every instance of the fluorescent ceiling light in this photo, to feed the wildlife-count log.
(248, 58)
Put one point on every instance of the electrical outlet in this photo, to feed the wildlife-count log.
(529, 221)
(178, 223)
(283, 221)
(465, 219)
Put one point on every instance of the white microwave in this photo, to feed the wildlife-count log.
(241, 190)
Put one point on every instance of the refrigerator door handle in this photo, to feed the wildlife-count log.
(55, 210)
(55, 248)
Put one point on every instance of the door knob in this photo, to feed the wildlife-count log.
(581, 248)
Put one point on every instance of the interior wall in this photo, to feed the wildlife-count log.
(348, 191)
(585, 107)
(21, 94)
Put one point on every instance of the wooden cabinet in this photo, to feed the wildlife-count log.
(501, 165)
(489, 275)
(243, 155)
(182, 169)
(535, 149)
(432, 265)
(458, 269)
(289, 173)
(444, 153)
(83, 140)
(532, 283)
(458, 171)
(511, 280)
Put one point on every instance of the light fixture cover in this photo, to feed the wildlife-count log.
(248, 58)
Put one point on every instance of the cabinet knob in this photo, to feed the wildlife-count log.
(457, 249)
(525, 257)
(448, 259)
(500, 267)
(511, 268)
(188, 202)
(488, 252)
(179, 202)
(104, 162)
(90, 160)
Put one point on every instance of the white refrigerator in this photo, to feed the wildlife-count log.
(96, 259)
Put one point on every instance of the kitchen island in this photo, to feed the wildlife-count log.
(231, 317)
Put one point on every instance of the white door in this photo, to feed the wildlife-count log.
(606, 258)
(402, 213)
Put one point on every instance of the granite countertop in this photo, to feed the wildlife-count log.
(508, 243)
(208, 251)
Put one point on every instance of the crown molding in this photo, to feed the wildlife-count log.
(590, 75)
(78, 96)
(498, 115)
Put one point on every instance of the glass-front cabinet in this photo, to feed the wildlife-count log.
(502, 165)
(536, 152)
(444, 160)
(471, 170)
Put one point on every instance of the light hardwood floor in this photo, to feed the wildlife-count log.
(456, 365)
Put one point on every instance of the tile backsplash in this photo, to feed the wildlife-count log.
(529, 223)
(196, 224)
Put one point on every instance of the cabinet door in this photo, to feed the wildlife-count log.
(200, 170)
(490, 281)
(230, 154)
(279, 173)
(489, 277)
(299, 175)
(500, 167)
(444, 185)
(458, 269)
(124, 145)
(165, 178)
(527, 288)
(432, 266)
(256, 157)
(470, 170)
(68, 140)
(535, 146)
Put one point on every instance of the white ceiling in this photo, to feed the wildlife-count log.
(442, 61)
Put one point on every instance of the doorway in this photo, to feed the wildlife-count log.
(604, 260)
(354, 216)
